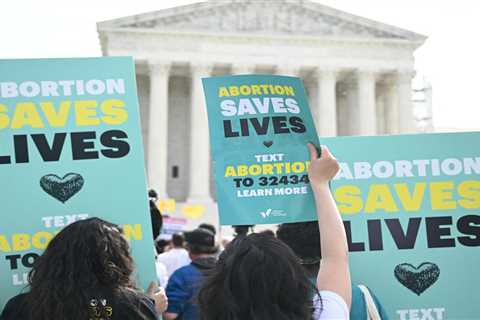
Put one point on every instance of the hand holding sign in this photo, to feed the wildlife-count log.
(158, 295)
(322, 169)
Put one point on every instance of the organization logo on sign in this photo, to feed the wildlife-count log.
(272, 213)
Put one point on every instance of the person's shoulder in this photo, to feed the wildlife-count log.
(18, 299)
(164, 255)
(128, 306)
(184, 270)
(15, 308)
(184, 274)
(183, 251)
(330, 305)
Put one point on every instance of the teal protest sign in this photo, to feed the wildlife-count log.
(259, 128)
(410, 205)
(70, 149)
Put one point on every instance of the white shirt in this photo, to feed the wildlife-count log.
(162, 274)
(173, 259)
(330, 307)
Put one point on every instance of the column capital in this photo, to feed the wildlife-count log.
(242, 68)
(159, 67)
(203, 68)
(403, 76)
(327, 72)
(368, 73)
(287, 70)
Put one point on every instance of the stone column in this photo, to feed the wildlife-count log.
(350, 113)
(406, 121)
(242, 69)
(342, 108)
(199, 189)
(158, 128)
(391, 106)
(327, 106)
(367, 123)
(380, 108)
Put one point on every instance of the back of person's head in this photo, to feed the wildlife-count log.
(200, 242)
(178, 240)
(257, 278)
(208, 226)
(84, 259)
(152, 194)
(242, 230)
(161, 245)
(268, 232)
(304, 239)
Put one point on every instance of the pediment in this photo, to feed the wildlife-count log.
(280, 17)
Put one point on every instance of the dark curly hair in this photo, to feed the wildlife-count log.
(257, 278)
(86, 259)
(304, 239)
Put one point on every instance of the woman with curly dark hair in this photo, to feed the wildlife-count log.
(260, 278)
(85, 274)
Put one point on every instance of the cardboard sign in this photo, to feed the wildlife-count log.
(410, 205)
(172, 226)
(259, 128)
(70, 149)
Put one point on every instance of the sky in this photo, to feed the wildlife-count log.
(449, 59)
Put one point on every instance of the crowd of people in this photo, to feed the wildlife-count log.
(294, 274)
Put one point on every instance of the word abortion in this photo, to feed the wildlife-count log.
(65, 88)
(408, 168)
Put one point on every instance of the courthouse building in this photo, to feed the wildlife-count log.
(357, 72)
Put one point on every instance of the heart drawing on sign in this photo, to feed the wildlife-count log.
(268, 144)
(417, 279)
(64, 188)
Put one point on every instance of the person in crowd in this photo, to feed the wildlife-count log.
(304, 239)
(184, 283)
(268, 232)
(162, 245)
(226, 240)
(242, 231)
(155, 214)
(85, 273)
(157, 224)
(176, 257)
(260, 277)
(208, 226)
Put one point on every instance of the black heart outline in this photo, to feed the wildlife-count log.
(417, 279)
(268, 144)
(63, 188)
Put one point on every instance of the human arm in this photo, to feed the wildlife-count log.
(178, 295)
(334, 273)
(170, 316)
(158, 295)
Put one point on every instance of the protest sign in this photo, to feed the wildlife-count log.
(410, 204)
(172, 226)
(70, 149)
(259, 128)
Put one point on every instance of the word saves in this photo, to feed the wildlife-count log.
(261, 126)
(51, 145)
